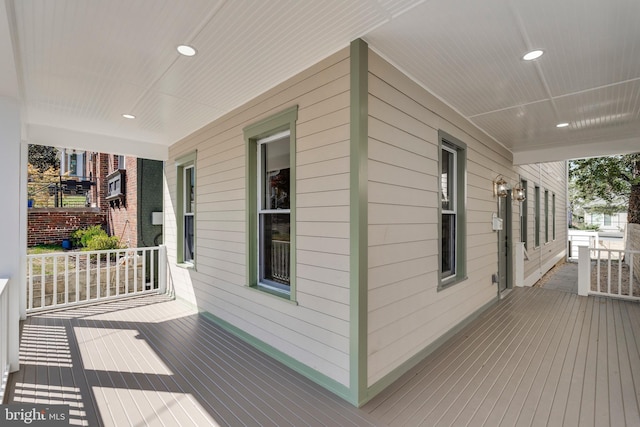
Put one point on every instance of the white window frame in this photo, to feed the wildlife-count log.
(452, 175)
(186, 199)
(262, 282)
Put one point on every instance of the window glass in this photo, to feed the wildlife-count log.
(274, 219)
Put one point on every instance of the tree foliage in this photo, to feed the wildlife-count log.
(43, 157)
(614, 180)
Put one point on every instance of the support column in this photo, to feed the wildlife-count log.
(14, 209)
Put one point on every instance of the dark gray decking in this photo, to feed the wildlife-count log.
(539, 357)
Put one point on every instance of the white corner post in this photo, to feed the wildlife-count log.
(163, 265)
(518, 267)
(584, 270)
(14, 207)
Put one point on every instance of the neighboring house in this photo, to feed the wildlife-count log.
(343, 222)
(128, 191)
(124, 194)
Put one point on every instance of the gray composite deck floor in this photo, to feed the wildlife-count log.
(539, 357)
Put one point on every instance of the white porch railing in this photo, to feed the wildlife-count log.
(579, 238)
(609, 272)
(280, 254)
(57, 280)
(4, 336)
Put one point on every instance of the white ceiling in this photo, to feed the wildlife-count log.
(81, 64)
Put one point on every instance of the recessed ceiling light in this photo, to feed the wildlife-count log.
(534, 54)
(562, 125)
(186, 50)
(128, 116)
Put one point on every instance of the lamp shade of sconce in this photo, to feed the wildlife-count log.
(519, 192)
(500, 187)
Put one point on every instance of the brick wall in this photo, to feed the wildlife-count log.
(52, 225)
(122, 217)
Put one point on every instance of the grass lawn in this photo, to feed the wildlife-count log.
(44, 249)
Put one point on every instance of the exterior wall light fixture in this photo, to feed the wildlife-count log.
(500, 187)
(519, 192)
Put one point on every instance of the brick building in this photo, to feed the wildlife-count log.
(128, 189)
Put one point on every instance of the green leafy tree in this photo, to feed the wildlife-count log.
(614, 179)
(43, 157)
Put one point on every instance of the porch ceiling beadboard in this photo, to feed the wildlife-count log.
(78, 66)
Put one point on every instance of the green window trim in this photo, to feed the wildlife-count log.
(448, 142)
(553, 216)
(182, 163)
(536, 217)
(280, 122)
(546, 216)
(524, 219)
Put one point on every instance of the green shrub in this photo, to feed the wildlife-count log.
(103, 242)
(94, 239)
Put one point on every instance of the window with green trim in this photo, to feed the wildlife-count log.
(271, 203)
(553, 215)
(546, 216)
(536, 216)
(186, 210)
(524, 221)
(452, 210)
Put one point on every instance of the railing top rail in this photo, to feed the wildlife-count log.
(626, 251)
(3, 284)
(105, 251)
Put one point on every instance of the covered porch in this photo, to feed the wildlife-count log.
(538, 357)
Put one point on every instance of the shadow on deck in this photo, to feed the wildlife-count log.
(539, 357)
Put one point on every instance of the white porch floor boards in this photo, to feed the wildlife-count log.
(539, 357)
(151, 361)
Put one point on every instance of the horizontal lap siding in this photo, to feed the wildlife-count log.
(551, 177)
(406, 312)
(316, 330)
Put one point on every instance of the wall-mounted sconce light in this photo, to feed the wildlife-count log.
(519, 192)
(500, 187)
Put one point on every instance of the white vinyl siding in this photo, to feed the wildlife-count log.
(315, 329)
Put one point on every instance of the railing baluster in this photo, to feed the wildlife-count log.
(30, 264)
(135, 272)
(619, 273)
(98, 284)
(108, 262)
(77, 277)
(88, 277)
(598, 275)
(54, 298)
(117, 272)
(42, 283)
(126, 273)
(631, 277)
(66, 278)
(609, 272)
(152, 268)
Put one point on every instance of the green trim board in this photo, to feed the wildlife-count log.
(444, 139)
(181, 163)
(282, 121)
(410, 363)
(358, 235)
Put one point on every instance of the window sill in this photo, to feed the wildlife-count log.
(282, 296)
(186, 265)
(446, 284)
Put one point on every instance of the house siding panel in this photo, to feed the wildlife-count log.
(406, 311)
(315, 331)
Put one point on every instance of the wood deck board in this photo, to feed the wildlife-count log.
(539, 357)
(555, 367)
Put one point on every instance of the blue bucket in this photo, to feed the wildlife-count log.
(66, 244)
